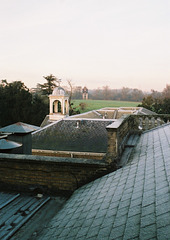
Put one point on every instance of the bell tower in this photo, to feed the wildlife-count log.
(59, 104)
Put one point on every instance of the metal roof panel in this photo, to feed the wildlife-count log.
(6, 144)
(19, 127)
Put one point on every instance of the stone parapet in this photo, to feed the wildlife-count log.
(67, 154)
(50, 174)
(121, 129)
(118, 133)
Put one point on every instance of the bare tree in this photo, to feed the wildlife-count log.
(70, 91)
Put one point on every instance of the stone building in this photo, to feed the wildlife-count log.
(85, 93)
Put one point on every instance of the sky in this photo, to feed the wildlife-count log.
(93, 43)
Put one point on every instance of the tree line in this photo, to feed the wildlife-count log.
(158, 102)
(106, 93)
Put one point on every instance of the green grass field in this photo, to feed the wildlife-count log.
(97, 104)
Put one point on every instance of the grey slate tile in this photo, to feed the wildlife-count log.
(148, 200)
(135, 202)
(122, 211)
(88, 222)
(163, 208)
(124, 204)
(93, 232)
(78, 223)
(104, 233)
(111, 212)
(114, 204)
(148, 232)
(108, 221)
(64, 233)
(148, 193)
(117, 232)
(93, 213)
(163, 220)
(134, 210)
(162, 191)
(131, 231)
(72, 234)
(148, 209)
(148, 220)
(160, 199)
(137, 194)
(163, 233)
(98, 221)
(120, 220)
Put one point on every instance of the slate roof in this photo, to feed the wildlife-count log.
(19, 127)
(73, 135)
(130, 203)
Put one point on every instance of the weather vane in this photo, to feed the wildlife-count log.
(59, 82)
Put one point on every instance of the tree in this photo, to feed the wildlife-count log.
(39, 109)
(70, 93)
(48, 87)
(147, 102)
(125, 94)
(166, 91)
(158, 102)
(17, 104)
(106, 92)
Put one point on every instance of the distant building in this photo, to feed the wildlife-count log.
(85, 93)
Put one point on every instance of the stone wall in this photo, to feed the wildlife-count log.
(118, 133)
(50, 174)
(120, 130)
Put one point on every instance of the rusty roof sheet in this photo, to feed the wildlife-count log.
(6, 144)
(19, 127)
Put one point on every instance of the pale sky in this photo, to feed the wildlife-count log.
(94, 43)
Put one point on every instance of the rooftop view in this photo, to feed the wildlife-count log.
(85, 120)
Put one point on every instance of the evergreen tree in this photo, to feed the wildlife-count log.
(17, 104)
(48, 87)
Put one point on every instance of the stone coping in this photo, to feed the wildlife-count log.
(48, 159)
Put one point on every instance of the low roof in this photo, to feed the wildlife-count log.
(19, 127)
(17, 208)
(130, 203)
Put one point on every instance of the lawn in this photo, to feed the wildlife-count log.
(97, 104)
